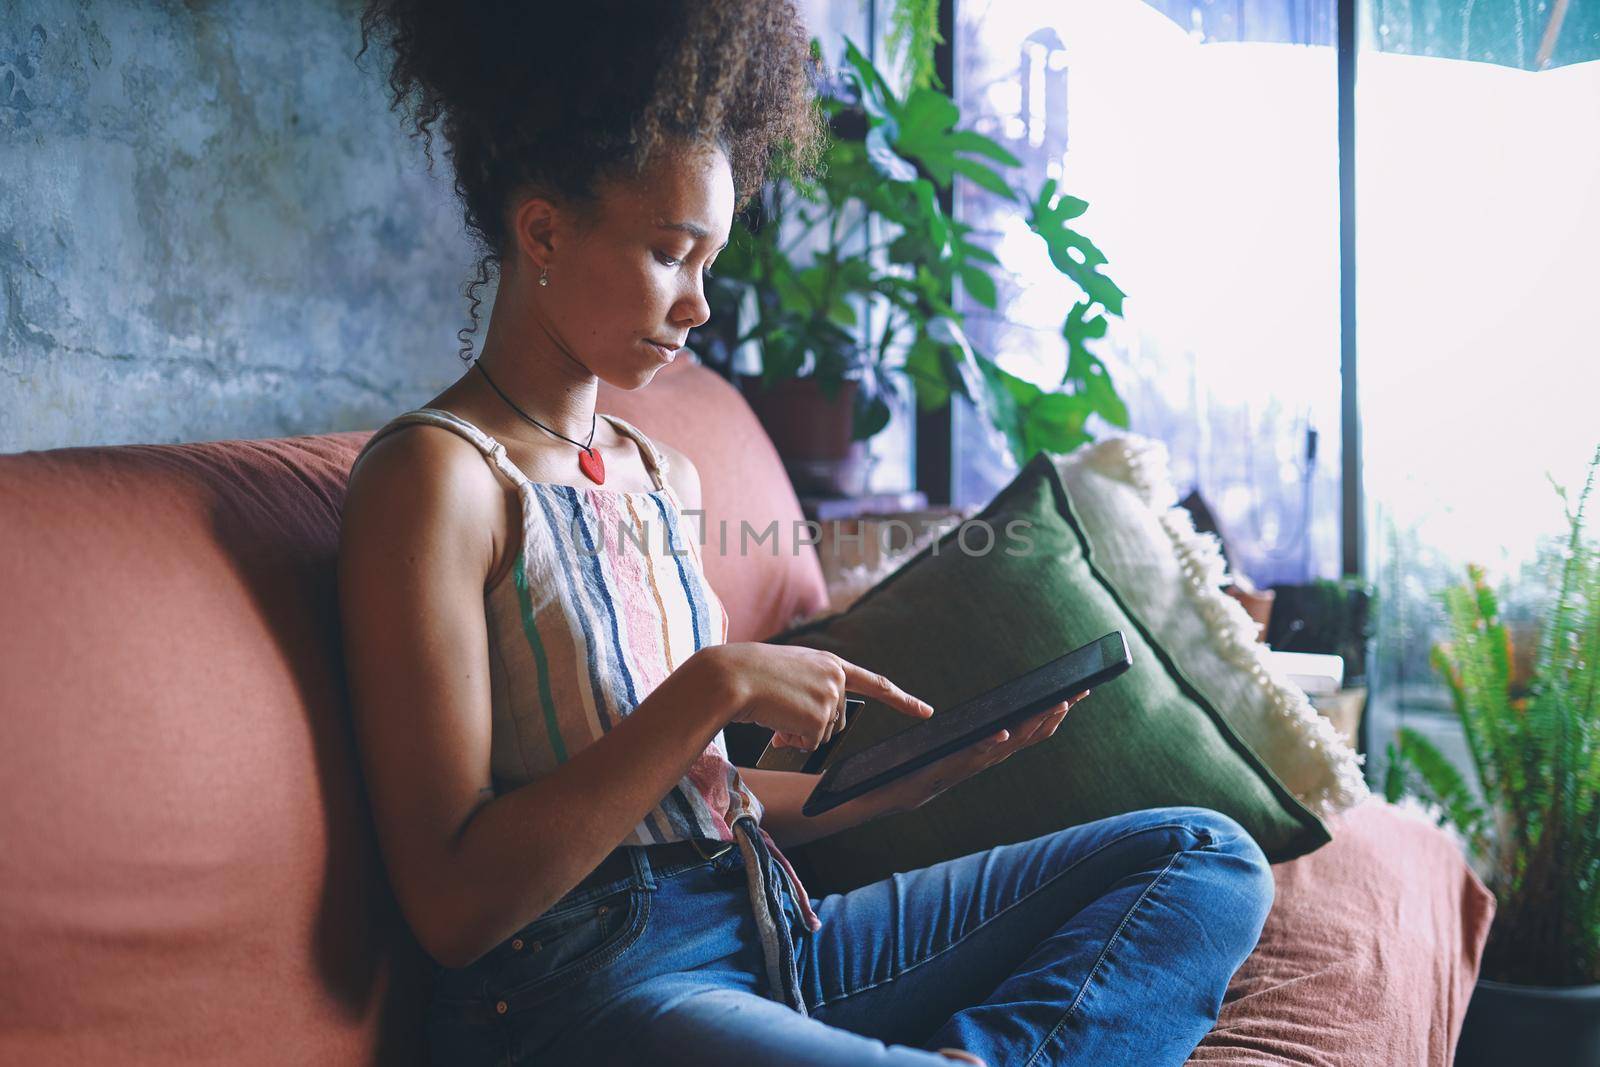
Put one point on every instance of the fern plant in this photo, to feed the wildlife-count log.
(1537, 756)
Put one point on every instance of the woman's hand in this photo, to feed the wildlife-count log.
(922, 785)
(798, 692)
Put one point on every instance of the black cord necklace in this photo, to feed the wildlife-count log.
(589, 460)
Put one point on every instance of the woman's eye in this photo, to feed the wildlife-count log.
(671, 261)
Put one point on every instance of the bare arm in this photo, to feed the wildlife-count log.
(470, 869)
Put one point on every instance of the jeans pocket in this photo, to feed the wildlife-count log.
(567, 944)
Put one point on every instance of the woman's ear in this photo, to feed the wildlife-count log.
(535, 223)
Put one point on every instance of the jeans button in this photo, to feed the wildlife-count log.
(500, 1007)
(516, 946)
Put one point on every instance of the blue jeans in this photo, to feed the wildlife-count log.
(1105, 943)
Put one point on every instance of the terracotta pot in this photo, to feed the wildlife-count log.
(812, 434)
(1257, 604)
(802, 422)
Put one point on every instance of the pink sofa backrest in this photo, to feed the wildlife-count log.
(189, 872)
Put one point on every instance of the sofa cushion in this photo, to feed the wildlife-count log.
(1369, 956)
(189, 873)
(959, 619)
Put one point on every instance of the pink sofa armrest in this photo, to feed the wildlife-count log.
(1369, 955)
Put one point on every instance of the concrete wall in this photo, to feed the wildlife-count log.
(211, 226)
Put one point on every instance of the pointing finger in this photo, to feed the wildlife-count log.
(870, 683)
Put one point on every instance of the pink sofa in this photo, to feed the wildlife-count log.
(189, 874)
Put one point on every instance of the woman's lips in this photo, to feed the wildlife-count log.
(663, 351)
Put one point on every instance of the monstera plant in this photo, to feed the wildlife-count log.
(881, 312)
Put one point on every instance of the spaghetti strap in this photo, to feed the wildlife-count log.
(654, 461)
(653, 458)
(494, 450)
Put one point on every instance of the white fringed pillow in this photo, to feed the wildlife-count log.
(1171, 577)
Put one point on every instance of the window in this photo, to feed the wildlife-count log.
(1478, 200)
(1211, 172)
(1204, 137)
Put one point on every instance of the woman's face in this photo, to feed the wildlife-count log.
(635, 274)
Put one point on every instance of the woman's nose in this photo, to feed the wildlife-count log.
(694, 310)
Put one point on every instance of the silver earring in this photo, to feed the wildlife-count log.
(544, 279)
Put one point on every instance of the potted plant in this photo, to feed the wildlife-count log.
(1536, 834)
(858, 326)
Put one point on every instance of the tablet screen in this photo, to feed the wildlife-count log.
(1041, 686)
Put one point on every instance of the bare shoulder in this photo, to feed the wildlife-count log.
(418, 493)
(682, 475)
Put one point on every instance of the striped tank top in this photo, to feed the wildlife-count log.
(606, 597)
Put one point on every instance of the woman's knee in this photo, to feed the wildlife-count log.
(1245, 869)
(1237, 866)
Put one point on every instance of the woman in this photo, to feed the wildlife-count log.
(540, 714)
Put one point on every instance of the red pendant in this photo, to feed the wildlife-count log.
(592, 465)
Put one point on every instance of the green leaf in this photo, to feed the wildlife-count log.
(780, 358)
(877, 98)
(964, 370)
(911, 247)
(1048, 207)
(1006, 406)
(984, 177)
(1078, 329)
(1441, 783)
(932, 216)
(976, 253)
(843, 312)
(979, 285)
(1055, 423)
(1072, 253)
(976, 143)
(1103, 398)
(914, 34)
(1086, 375)
(1394, 775)
(924, 133)
(871, 416)
(926, 115)
(924, 366)
(855, 275)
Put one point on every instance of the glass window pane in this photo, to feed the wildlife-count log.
(1478, 208)
(1210, 166)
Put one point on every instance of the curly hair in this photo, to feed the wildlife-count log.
(563, 97)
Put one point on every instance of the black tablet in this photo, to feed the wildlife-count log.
(971, 721)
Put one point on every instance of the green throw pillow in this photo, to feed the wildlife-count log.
(955, 621)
